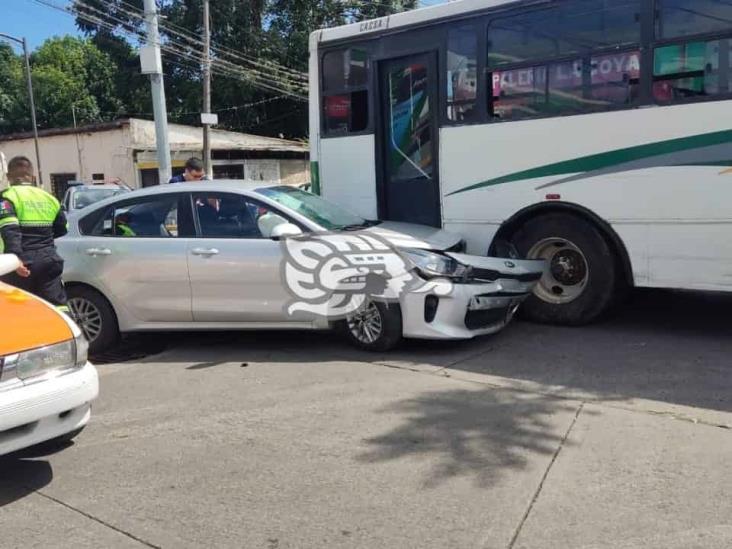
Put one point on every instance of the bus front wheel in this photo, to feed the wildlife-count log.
(579, 283)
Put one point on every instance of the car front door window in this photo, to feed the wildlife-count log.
(234, 216)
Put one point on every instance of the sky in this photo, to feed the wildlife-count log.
(36, 22)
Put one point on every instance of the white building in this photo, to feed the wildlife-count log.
(125, 150)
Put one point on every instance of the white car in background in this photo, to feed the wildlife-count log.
(46, 384)
(208, 255)
(80, 195)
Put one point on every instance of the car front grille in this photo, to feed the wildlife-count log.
(491, 275)
(476, 320)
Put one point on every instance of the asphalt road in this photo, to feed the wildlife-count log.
(611, 436)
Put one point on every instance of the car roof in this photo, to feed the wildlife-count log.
(203, 186)
(220, 185)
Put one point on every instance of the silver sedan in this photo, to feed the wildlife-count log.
(228, 255)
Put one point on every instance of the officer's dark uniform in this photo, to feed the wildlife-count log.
(30, 220)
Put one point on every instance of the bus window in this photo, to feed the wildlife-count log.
(462, 77)
(345, 91)
(572, 27)
(693, 69)
(677, 18)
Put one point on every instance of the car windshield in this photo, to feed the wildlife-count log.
(86, 197)
(327, 215)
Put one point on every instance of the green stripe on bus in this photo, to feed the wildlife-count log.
(315, 178)
(610, 158)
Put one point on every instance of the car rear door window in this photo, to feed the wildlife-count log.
(149, 217)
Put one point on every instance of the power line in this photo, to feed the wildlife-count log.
(175, 47)
(225, 69)
(188, 36)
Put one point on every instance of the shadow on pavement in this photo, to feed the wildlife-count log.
(21, 477)
(471, 433)
(673, 347)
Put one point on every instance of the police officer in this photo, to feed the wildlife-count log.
(30, 220)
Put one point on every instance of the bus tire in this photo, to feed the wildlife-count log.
(580, 283)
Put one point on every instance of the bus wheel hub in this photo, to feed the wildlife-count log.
(568, 267)
(566, 278)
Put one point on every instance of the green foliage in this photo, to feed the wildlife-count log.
(68, 73)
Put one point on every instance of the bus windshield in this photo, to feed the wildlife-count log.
(324, 213)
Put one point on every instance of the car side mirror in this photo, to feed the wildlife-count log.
(284, 230)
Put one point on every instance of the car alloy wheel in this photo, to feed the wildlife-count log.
(366, 325)
(87, 316)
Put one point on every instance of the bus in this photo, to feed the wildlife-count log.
(596, 134)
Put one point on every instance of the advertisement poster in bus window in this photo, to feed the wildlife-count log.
(678, 59)
(612, 79)
(337, 111)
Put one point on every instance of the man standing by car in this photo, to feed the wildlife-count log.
(194, 172)
(30, 220)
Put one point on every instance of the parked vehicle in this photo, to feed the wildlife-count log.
(80, 195)
(46, 384)
(208, 256)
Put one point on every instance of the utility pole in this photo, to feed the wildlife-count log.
(78, 145)
(205, 117)
(152, 64)
(29, 79)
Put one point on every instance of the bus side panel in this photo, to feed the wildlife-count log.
(662, 177)
(348, 173)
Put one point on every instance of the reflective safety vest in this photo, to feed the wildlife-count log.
(124, 230)
(34, 207)
(37, 213)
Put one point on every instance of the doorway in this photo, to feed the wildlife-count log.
(410, 188)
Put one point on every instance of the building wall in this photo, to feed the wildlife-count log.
(295, 172)
(105, 153)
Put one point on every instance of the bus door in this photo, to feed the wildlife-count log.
(409, 188)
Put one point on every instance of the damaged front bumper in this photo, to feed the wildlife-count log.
(482, 302)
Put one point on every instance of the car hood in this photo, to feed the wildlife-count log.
(409, 235)
(35, 323)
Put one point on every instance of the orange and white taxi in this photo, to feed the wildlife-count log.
(46, 383)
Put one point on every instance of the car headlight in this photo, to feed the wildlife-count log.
(61, 356)
(434, 265)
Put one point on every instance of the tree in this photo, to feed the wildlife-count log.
(266, 30)
(73, 73)
(68, 73)
(14, 107)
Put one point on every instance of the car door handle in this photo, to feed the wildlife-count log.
(204, 251)
(98, 251)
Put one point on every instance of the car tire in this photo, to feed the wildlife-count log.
(581, 280)
(377, 328)
(95, 316)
